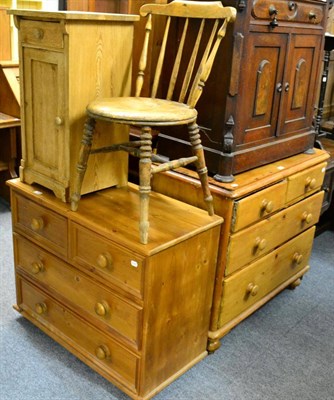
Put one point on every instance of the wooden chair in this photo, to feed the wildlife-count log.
(154, 111)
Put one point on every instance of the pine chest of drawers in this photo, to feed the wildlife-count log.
(137, 314)
(267, 236)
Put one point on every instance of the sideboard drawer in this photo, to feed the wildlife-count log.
(104, 354)
(100, 304)
(257, 240)
(246, 287)
(39, 223)
(305, 182)
(258, 205)
(106, 260)
(42, 34)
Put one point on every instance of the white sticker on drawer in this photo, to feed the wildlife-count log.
(134, 264)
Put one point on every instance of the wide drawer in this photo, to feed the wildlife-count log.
(257, 240)
(42, 34)
(244, 288)
(293, 11)
(39, 223)
(101, 352)
(257, 206)
(79, 291)
(306, 182)
(104, 259)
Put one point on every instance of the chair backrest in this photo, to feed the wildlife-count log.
(186, 83)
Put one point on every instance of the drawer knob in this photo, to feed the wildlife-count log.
(307, 217)
(59, 121)
(41, 308)
(312, 15)
(267, 206)
(252, 289)
(102, 308)
(37, 267)
(37, 224)
(102, 352)
(38, 33)
(260, 243)
(310, 183)
(297, 258)
(104, 260)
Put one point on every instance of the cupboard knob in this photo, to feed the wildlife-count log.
(297, 258)
(37, 267)
(279, 87)
(286, 86)
(102, 352)
(292, 5)
(310, 183)
(252, 289)
(260, 243)
(38, 33)
(267, 206)
(41, 308)
(104, 260)
(37, 224)
(59, 121)
(307, 217)
(102, 308)
(312, 15)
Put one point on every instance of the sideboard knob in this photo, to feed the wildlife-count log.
(104, 260)
(102, 308)
(307, 217)
(37, 224)
(37, 267)
(41, 308)
(297, 258)
(260, 243)
(252, 289)
(310, 183)
(102, 352)
(267, 206)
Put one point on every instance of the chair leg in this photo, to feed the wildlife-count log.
(202, 170)
(86, 145)
(145, 164)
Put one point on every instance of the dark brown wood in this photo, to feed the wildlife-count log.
(259, 101)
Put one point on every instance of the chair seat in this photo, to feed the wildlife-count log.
(142, 111)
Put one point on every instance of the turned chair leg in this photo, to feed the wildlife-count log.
(145, 164)
(86, 145)
(202, 170)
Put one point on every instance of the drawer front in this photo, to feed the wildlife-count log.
(102, 258)
(257, 240)
(91, 345)
(41, 224)
(244, 288)
(42, 34)
(74, 287)
(305, 183)
(288, 11)
(257, 206)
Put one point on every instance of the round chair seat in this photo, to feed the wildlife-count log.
(142, 111)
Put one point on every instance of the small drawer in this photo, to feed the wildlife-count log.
(244, 288)
(42, 34)
(106, 260)
(46, 227)
(81, 292)
(257, 206)
(259, 239)
(305, 183)
(91, 345)
(288, 11)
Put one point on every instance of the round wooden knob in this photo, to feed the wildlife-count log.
(260, 243)
(41, 308)
(310, 183)
(37, 224)
(252, 289)
(307, 217)
(297, 258)
(59, 121)
(267, 206)
(37, 267)
(102, 352)
(38, 33)
(104, 260)
(102, 308)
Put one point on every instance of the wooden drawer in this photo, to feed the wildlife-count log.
(257, 240)
(102, 353)
(39, 223)
(288, 11)
(306, 182)
(106, 260)
(257, 206)
(42, 34)
(83, 293)
(244, 288)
